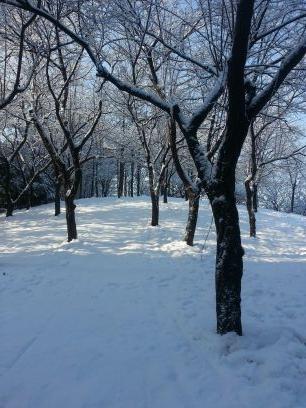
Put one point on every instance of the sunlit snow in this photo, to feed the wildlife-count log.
(125, 316)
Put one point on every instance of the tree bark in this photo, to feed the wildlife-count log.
(138, 174)
(229, 264)
(120, 178)
(255, 197)
(165, 193)
(164, 186)
(193, 200)
(9, 207)
(29, 198)
(57, 198)
(155, 209)
(79, 193)
(132, 179)
(125, 184)
(96, 181)
(70, 219)
(250, 207)
(292, 200)
(8, 197)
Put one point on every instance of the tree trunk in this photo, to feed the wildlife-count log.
(120, 179)
(155, 209)
(96, 184)
(255, 197)
(164, 186)
(80, 187)
(194, 200)
(249, 204)
(9, 207)
(8, 197)
(29, 198)
(57, 199)
(125, 184)
(292, 197)
(138, 175)
(132, 180)
(70, 219)
(165, 193)
(229, 265)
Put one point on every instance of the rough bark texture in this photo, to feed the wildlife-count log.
(229, 265)
(193, 200)
(155, 209)
(70, 219)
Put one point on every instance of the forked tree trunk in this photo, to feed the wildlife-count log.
(193, 201)
(155, 209)
(229, 265)
(70, 219)
(250, 207)
(57, 199)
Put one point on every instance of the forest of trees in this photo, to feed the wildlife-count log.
(159, 98)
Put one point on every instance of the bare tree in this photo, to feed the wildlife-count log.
(240, 66)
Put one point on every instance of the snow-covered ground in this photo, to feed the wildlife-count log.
(125, 317)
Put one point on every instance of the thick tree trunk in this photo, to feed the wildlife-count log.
(194, 200)
(249, 204)
(155, 209)
(70, 219)
(229, 265)
(57, 199)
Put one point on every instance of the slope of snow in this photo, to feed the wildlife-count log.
(125, 316)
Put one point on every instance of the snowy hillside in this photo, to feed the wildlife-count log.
(124, 318)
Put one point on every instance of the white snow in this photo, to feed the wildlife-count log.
(125, 316)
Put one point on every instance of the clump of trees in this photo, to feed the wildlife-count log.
(159, 98)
